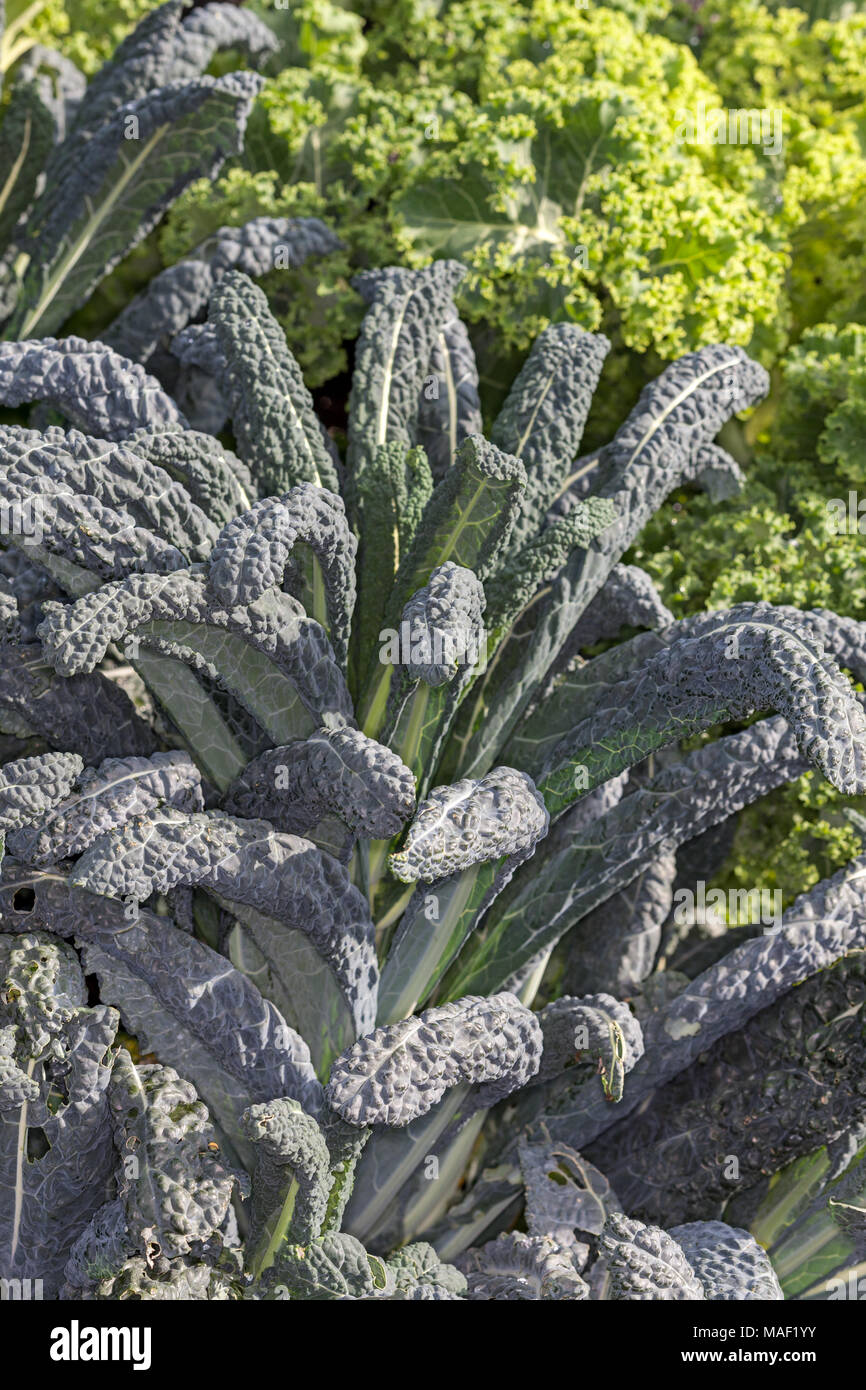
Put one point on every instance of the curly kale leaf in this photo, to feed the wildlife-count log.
(278, 433)
(335, 772)
(728, 1262)
(399, 1072)
(106, 798)
(56, 1157)
(253, 552)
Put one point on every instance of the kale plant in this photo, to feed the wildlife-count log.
(362, 786)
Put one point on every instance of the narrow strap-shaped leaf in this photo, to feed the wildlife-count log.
(97, 390)
(613, 948)
(449, 409)
(106, 798)
(180, 293)
(87, 712)
(180, 999)
(544, 414)
(214, 477)
(468, 519)
(210, 29)
(656, 448)
(26, 136)
(253, 552)
(117, 477)
(290, 1182)
(335, 772)
(31, 787)
(495, 1042)
(248, 862)
(279, 436)
(820, 927)
(113, 190)
(575, 870)
(739, 661)
(254, 651)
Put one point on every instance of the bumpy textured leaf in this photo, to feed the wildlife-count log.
(391, 492)
(26, 135)
(578, 868)
(183, 1002)
(613, 948)
(728, 1262)
(443, 624)
(468, 823)
(758, 661)
(56, 1157)
(109, 191)
(106, 798)
(95, 388)
(180, 293)
(537, 562)
(335, 1267)
(543, 417)
(211, 28)
(421, 1277)
(646, 1263)
(392, 357)
(629, 598)
(89, 712)
(656, 448)
(58, 82)
(398, 1073)
(270, 655)
(31, 787)
(112, 474)
(787, 1083)
(468, 519)
(291, 1179)
(337, 772)
(517, 1266)
(278, 434)
(564, 1193)
(246, 861)
(215, 478)
(449, 409)
(252, 553)
(820, 927)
